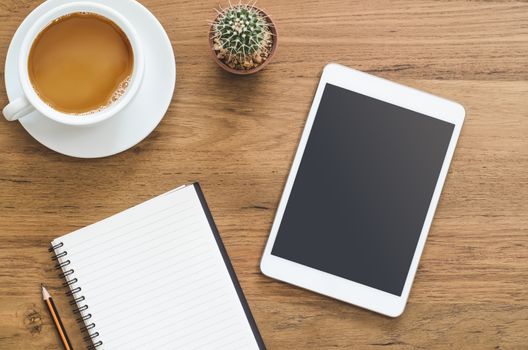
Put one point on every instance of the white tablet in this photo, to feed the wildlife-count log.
(362, 191)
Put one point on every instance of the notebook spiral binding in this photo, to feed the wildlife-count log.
(78, 301)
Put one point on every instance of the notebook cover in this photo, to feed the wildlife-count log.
(227, 262)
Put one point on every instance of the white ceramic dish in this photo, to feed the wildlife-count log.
(335, 286)
(129, 125)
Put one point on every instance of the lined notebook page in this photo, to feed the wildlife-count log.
(154, 278)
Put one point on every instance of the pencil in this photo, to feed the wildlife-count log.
(56, 319)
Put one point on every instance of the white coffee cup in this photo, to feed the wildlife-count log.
(30, 101)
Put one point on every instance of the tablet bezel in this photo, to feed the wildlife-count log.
(335, 286)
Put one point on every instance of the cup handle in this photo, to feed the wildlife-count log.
(17, 109)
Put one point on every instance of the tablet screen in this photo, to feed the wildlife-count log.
(363, 189)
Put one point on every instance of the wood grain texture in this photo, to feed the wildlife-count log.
(238, 135)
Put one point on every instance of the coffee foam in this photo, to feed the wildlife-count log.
(120, 91)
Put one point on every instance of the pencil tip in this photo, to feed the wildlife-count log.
(45, 293)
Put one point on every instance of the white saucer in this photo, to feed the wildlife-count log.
(136, 121)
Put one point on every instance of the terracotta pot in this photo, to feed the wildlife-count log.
(224, 66)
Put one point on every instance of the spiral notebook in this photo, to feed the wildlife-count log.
(157, 276)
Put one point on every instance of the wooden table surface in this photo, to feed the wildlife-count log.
(238, 135)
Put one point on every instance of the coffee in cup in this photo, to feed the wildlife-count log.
(80, 63)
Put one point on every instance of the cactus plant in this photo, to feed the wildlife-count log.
(242, 36)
